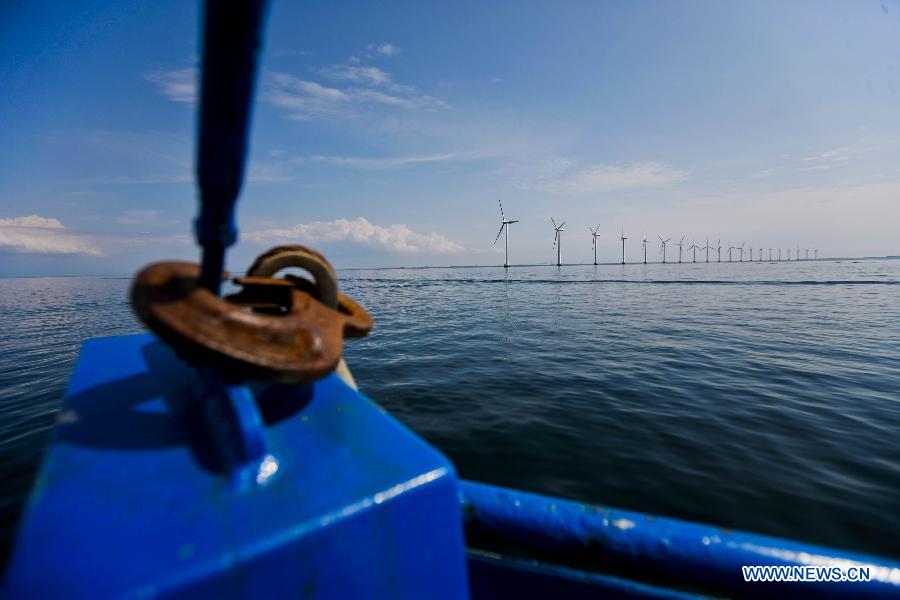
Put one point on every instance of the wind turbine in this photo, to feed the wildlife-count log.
(789, 255)
(770, 255)
(730, 248)
(760, 255)
(751, 253)
(806, 254)
(779, 254)
(798, 252)
(645, 249)
(594, 235)
(742, 251)
(719, 249)
(623, 238)
(694, 247)
(504, 224)
(557, 239)
(679, 244)
(706, 247)
(664, 242)
(816, 256)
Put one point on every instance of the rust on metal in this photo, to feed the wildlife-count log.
(273, 328)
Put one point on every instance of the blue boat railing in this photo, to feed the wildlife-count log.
(662, 551)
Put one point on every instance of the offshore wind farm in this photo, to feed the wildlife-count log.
(735, 251)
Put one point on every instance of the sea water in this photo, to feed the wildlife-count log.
(760, 396)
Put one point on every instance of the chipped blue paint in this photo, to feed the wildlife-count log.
(669, 551)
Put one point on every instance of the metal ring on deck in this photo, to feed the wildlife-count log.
(271, 329)
(284, 257)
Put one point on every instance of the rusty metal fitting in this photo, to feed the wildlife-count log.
(273, 328)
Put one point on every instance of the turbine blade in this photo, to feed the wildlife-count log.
(563, 224)
(554, 222)
(499, 232)
(502, 216)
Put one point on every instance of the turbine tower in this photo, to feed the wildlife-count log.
(706, 247)
(594, 235)
(623, 238)
(806, 254)
(557, 239)
(779, 254)
(504, 224)
(645, 249)
(742, 251)
(760, 255)
(816, 255)
(694, 247)
(730, 248)
(664, 242)
(751, 253)
(770, 255)
(719, 250)
(680, 244)
(798, 252)
(789, 255)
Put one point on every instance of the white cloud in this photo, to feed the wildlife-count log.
(365, 75)
(375, 163)
(179, 85)
(34, 234)
(306, 100)
(835, 154)
(386, 49)
(392, 238)
(604, 178)
(32, 221)
(404, 98)
(829, 159)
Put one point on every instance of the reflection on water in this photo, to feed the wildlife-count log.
(753, 395)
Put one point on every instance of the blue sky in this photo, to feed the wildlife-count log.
(385, 134)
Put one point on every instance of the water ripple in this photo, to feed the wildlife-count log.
(752, 395)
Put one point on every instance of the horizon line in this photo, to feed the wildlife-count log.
(500, 266)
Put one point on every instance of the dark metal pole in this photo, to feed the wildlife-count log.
(231, 42)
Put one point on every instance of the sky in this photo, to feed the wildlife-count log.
(384, 134)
